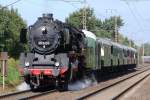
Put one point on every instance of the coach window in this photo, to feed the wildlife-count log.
(134, 55)
(102, 51)
(111, 49)
(115, 52)
(131, 54)
(123, 52)
(127, 53)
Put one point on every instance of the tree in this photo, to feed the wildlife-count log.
(75, 19)
(109, 24)
(10, 25)
(146, 49)
(100, 28)
(93, 24)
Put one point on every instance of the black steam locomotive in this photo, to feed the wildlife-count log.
(60, 53)
(53, 50)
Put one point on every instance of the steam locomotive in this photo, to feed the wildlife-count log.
(59, 53)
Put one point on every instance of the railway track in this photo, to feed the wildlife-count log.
(24, 95)
(115, 91)
(14, 94)
(72, 95)
(142, 66)
(28, 94)
(37, 95)
(117, 97)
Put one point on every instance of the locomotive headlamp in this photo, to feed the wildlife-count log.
(57, 64)
(27, 64)
(44, 30)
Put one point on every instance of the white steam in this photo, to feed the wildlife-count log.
(23, 86)
(87, 81)
(83, 83)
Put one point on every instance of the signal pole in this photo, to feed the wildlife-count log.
(116, 30)
(115, 35)
(143, 53)
(84, 15)
(138, 49)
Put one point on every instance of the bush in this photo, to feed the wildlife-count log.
(13, 77)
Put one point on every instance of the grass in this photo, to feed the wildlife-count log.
(13, 77)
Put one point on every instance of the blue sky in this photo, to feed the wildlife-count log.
(135, 13)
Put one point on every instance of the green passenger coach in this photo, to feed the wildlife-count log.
(103, 54)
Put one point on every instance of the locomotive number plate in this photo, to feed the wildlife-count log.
(43, 43)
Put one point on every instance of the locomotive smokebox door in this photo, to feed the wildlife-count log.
(23, 35)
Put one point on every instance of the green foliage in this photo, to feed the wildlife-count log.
(93, 24)
(124, 40)
(13, 76)
(75, 19)
(103, 33)
(10, 25)
(147, 49)
(100, 28)
(109, 24)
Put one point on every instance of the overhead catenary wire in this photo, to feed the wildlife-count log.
(67, 1)
(11, 4)
(80, 1)
(140, 26)
(70, 2)
(84, 2)
(135, 17)
(139, 15)
(142, 18)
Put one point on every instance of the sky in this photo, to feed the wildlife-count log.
(135, 13)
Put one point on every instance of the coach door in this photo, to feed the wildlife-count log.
(98, 55)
